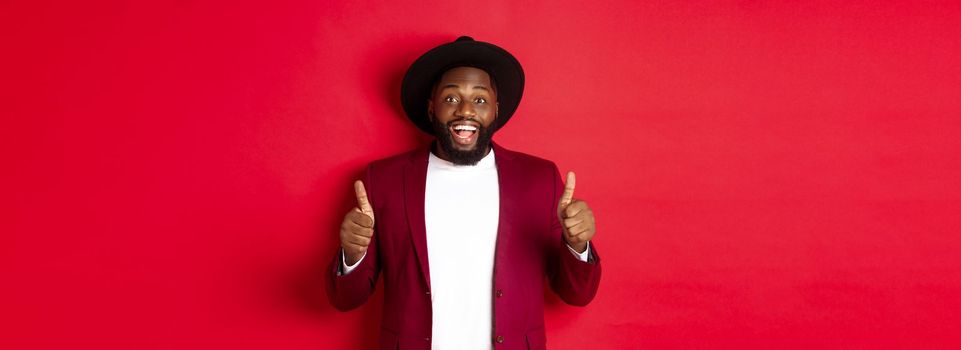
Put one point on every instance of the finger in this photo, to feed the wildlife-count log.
(578, 229)
(361, 231)
(571, 222)
(359, 240)
(352, 248)
(576, 207)
(575, 239)
(360, 218)
(568, 195)
(362, 201)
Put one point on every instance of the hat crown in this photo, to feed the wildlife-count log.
(464, 38)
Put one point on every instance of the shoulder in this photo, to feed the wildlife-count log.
(398, 161)
(386, 176)
(523, 161)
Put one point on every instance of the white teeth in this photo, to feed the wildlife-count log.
(465, 127)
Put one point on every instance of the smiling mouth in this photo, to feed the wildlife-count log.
(463, 134)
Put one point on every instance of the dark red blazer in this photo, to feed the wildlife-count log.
(529, 247)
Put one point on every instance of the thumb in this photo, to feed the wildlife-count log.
(568, 195)
(362, 201)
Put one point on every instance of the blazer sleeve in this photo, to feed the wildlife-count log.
(575, 281)
(347, 292)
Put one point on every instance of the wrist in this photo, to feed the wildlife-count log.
(352, 258)
(578, 247)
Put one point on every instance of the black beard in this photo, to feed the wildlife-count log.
(471, 157)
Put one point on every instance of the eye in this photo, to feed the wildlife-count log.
(450, 99)
(480, 100)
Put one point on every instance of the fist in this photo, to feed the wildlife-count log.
(358, 227)
(576, 217)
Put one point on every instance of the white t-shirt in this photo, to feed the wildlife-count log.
(461, 211)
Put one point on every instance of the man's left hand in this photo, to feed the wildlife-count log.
(576, 217)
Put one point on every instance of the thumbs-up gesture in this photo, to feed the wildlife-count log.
(576, 217)
(358, 227)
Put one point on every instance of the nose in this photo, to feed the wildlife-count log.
(466, 110)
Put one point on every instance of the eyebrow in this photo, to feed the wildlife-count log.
(458, 86)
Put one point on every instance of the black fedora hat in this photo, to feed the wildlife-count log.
(503, 68)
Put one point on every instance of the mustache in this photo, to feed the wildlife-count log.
(465, 120)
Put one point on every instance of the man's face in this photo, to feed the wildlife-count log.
(462, 109)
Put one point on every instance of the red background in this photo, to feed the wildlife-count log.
(764, 174)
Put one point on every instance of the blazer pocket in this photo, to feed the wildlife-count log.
(536, 339)
(388, 340)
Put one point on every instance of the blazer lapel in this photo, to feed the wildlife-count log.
(415, 184)
(505, 183)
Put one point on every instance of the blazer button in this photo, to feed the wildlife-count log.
(428, 292)
(500, 339)
(500, 293)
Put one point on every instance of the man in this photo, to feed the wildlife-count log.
(465, 231)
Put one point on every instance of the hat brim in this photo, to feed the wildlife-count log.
(506, 71)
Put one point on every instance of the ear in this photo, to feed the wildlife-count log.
(430, 110)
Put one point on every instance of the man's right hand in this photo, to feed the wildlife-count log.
(358, 227)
